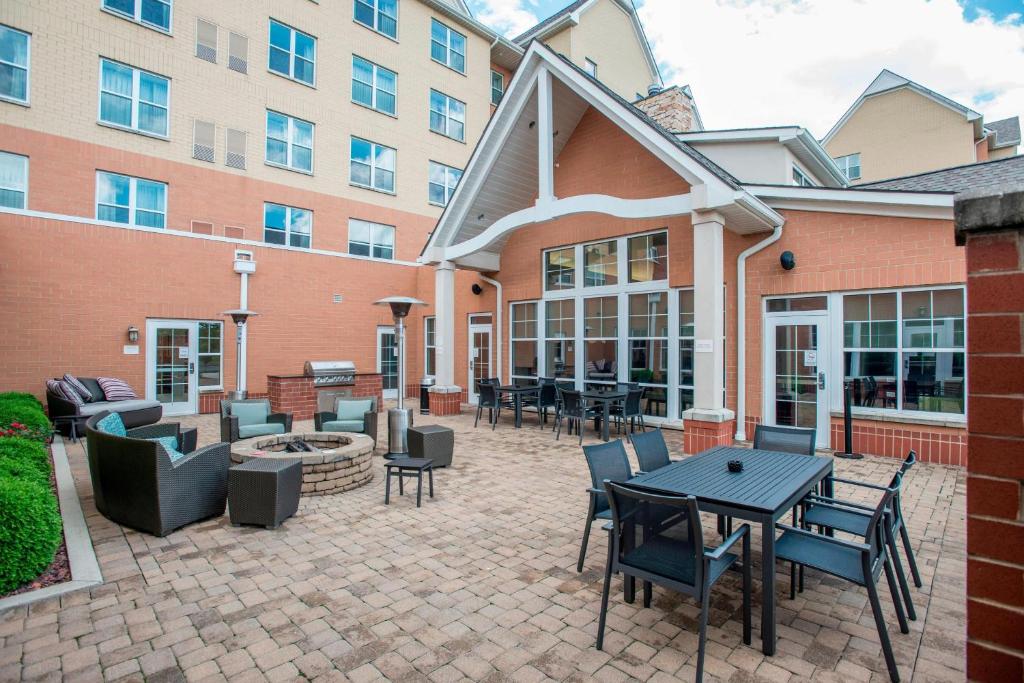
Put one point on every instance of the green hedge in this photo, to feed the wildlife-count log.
(22, 415)
(30, 530)
(24, 458)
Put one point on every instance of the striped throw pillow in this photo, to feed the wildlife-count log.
(79, 388)
(62, 389)
(115, 389)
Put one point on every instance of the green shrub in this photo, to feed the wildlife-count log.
(25, 459)
(22, 415)
(30, 531)
(20, 397)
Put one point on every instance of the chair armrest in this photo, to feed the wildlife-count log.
(282, 419)
(188, 440)
(854, 482)
(154, 431)
(229, 429)
(215, 455)
(862, 547)
(736, 536)
(825, 501)
(370, 425)
(320, 418)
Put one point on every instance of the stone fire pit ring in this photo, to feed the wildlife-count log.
(342, 462)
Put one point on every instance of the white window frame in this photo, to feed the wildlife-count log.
(291, 52)
(429, 334)
(449, 188)
(201, 354)
(448, 115)
(374, 5)
(680, 387)
(590, 66)
(585, 339)
(133, 206)
(135, 99)
(500, 91)
(371, 243)
(448, 48)
(290, 143)
(24, 186)
(844, 165)
(536, 338)
(27, 68)
(137, 16)
(375, 69)
(287, 226)
(800, 178)
(373, 166)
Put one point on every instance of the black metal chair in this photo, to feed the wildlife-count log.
(574, 409)
(605, 461)
(651, 450)
(487, 397)
(860, 563)
(785, 439)
(630, 409)
(546, 397)
(669, 552)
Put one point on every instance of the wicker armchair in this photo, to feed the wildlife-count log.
(323, 419)
(135, 482)
(231, 430)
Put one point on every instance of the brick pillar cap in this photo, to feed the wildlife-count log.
(707, 415)
(993, 209)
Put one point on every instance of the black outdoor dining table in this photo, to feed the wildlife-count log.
(770, 484)
(606, 399)
(518, 391)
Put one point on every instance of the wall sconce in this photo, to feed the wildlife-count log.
(133, 334)
(477, 289)
(787, 260)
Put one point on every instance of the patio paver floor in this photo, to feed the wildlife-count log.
(478, 584)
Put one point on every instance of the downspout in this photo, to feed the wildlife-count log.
(741, 329)
(497, 320)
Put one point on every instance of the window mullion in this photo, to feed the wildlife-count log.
(132, 205)
(136, 97)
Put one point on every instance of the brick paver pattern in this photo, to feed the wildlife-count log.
(479, 584)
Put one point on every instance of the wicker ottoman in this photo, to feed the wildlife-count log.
(432, 441)
(264, 491)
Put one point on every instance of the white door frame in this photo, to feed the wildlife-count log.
(381, 331)
(770, 321)
(191, 406)
(475, 328)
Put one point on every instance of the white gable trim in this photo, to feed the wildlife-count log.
(867, 202)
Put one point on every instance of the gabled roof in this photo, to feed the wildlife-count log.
(887, 81)
(1005, 133)
(957, 178)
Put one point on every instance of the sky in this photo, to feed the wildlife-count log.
(804, 62)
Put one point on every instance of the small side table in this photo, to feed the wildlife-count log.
(408, 467)
(74, 424)
(434, 442)
(264, 491)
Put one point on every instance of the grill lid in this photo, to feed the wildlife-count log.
(319, 368)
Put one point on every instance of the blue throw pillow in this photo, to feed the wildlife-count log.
(112, 424)
(170, 444)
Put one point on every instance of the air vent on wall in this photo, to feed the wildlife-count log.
(234, 148)
(206, 40)
(202, 227)
(203, 141)
(233, 232)
(337, 298)
(238, 53)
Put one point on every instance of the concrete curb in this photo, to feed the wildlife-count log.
(85, 568)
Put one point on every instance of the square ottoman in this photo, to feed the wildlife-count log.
(432, 441)
(264, 491)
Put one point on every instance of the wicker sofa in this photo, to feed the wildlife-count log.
(136, 483)
(134, 412)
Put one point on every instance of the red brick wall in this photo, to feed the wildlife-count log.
(296, 394)
(995, 529)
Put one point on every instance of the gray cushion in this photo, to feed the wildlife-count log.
(94, 388)
(343, 426)
(347, 409)
(251, 414)
(245, 431)
(117, 406)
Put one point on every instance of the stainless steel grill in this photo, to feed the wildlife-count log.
(330, 372)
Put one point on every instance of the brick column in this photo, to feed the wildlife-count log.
(992, 227)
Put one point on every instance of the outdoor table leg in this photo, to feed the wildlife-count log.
(518, 398)
(768, 586)
(605, 419)
(419, 486)
(387, 486)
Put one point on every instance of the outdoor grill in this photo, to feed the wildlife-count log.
(330, 372)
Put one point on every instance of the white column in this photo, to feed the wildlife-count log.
(241, 382)
(444, 323)
(709, 318)
(545, 139)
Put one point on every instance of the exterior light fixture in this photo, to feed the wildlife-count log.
(787, 260)
(477, 289)
(399, 419)
(133, 334)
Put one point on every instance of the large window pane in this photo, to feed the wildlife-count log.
(560, 348)
(13, 180)
(14, 50)
(934, 382)
(648, 257)
(560, 269)
(873, 376)
(600, 264)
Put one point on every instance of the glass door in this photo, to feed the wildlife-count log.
(171, 365)
(387, 360)
(796, 368)
(479, 357)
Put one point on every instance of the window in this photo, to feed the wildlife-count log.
(287, 225)
(373, 86)
(850, 165)
(600, 339)
(447, 116)
(154, 13)
(801, 179)
(686, 336)
(289, 142)
(372, 165)
(447, 46)
(209, 356)
(14, 56)
(905, 350)
(13, 180)
(648, 257)
(292, 53)
(429, 346)
(590, 67)
(648, 348)
(497, 87)
(443, 180)
(206, 40)
(133, 201)
(380, 15)
(371, 239)
(601, 264)
(559, 342)
(134, 99)
(524, 341)
(560, 269)
(238, 53)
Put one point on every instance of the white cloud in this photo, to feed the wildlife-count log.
(508, 17)
(771, 62)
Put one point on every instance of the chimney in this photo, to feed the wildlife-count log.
(671, 108)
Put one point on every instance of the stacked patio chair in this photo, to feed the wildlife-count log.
(546, 397)
(629, 410)
(605, 461)
(574, 409)
(487, 397)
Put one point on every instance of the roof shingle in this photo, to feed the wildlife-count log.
(1007, 131)
(957, 179)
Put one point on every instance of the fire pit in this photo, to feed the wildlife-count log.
(337, 462)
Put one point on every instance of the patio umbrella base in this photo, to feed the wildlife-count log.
(850, 456)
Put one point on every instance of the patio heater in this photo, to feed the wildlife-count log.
(400, 418)
(240, 316)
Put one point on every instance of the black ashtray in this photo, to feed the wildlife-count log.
(735, 465)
